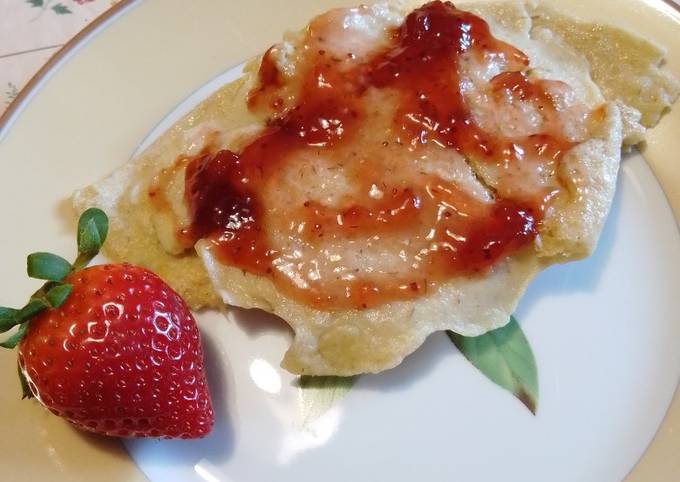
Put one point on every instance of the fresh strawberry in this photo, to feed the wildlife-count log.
(111, 348)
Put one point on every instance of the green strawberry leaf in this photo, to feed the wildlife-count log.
(47, 266)
(90, 241)
(505, 357)
(58, 294)
(23, 316)
(60, 9)
(14, 340)
(8, 318)
(32, 308)
(93, 228)
(35, 3)
(6, 313)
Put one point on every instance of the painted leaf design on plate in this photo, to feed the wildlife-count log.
(505, 357)
(61, 9)
(11, 92)
(319, 394)
(35, 3)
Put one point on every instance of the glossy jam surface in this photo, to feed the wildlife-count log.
(423, 154)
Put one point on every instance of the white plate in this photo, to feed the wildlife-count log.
(605, 330)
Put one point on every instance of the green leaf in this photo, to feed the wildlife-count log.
(14, 340)
(6, 313)
(8, 318)
(47, 266)
(32, 308)
(61, 9)
(319, 394)
(57, 295)
(35, 3)
(93, 227)
(505, 357)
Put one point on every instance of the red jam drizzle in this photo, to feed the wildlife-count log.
(465, 236)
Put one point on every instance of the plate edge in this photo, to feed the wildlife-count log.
(18, 103)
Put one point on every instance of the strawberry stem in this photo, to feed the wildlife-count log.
(82, 261)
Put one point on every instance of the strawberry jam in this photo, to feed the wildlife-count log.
(384, 175)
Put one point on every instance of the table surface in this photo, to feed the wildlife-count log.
(31, 31)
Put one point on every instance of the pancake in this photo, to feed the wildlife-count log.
(353, 210)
